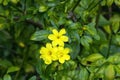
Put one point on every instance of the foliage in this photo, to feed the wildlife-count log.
(93, 32)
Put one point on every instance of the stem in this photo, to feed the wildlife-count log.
(24, 7)
(110, 35)
(98, 16)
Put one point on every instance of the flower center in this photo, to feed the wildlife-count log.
(58, 37)
(50, 53)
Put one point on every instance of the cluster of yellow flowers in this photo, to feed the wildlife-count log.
(55, 51)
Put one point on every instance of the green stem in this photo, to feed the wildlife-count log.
(110, 35)
(98, 16)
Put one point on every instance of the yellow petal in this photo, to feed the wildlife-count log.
(66, 50)
(48, 61)
(42, 50)
(61, 60)
(60, 43)
(67, 57)
(62, 31)
(55, 32)
(52, 37)
(60, 48)
(48, 46)
(64, 38)
(54, 43)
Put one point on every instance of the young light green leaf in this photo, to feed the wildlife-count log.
(109, 2)
(13, 69)
(109, 73)
(42, 8)
(91, 58)
(117, 2)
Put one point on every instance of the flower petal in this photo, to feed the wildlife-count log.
(62, 31)
(67, 57)
(61, 43)
(48, 46)
(48, 61)
(66, 50)
(42, 50)
(52, 37)
(55, 32)
(62, 60)
(64, 38)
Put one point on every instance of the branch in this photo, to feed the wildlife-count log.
(36, 24)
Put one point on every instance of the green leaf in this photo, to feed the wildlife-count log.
(115, 20)
(13, 69)
(114, 58)
(103, 21)
(5, 63)
(109, 2)
(74, 36)
(42, 8)
(75, 48)
(1, 1)
(117, 2)
(109, 72)
(33, 78)
(5, 2)
(117, 69)
(88, 38)
(91, 58)
(40, 35)
(83, 75)
(92, 31)
(7, 77)
(84, 42)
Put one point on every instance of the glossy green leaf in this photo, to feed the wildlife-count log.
(40, 35)
(92, 31)
(109, 73)
(84, 42)
(83, 75)
(13, 69)
(115, 20)
(7, 77)
(91, 58)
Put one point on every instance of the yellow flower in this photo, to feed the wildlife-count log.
(63, 54)
(58, 38)
(48, 53)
